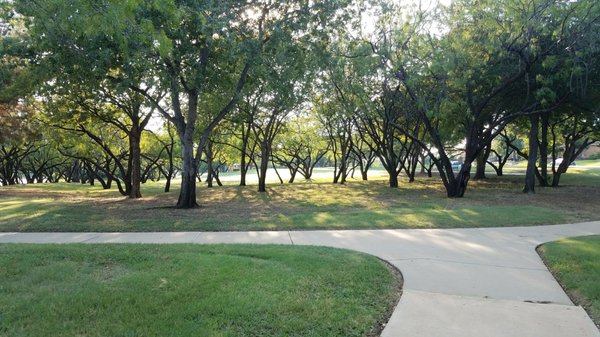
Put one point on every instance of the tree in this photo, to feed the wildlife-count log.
(167, 163)
(578, 128)
(18, 137)
(205, 61)
(76, 60)
(302, 147)
(476, 77)
(502, 148)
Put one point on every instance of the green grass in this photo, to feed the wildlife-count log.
(588, 162)
(192, 290)
(576, 265)
(497, 201)
(581, 176)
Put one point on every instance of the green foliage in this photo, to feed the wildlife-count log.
(448, 78)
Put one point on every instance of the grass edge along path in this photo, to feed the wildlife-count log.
(575, 263)
(201, 290)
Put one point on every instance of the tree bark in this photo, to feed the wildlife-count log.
(187, 195)
(264, 164)
(364, 175)
(532, 156)
(292, 176)
(209, 163)
(545, 122)
(170, 170)
(393, 180)
(135, 163)
(482, 159)
(243, 169)
(244, 153)
(458, 186)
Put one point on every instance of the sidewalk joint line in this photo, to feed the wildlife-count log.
(92, 238)
(290, 236)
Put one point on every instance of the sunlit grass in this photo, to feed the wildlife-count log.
(317, 204)
(576, 264)
(192, 290)
(588, 162)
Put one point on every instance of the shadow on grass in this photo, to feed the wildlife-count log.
(304, 205)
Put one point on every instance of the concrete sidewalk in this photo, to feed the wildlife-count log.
(458, 282)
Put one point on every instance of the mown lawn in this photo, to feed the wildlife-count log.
(319, 204)
(575, 263)
(192, 290)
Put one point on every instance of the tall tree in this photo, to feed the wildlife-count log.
(204, 52)
(477, 76)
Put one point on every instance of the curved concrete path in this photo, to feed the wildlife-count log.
(458, 282)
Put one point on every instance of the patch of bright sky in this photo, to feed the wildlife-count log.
(369, 16)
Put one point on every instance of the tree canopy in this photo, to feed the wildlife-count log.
(297, 84)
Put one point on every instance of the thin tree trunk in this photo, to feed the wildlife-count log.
(277, 172)
(264, 164)
(545, 121)
(532, 156)
(243, 166)
(209, 163)
(292, 176)
(135, 164)
(481, 162)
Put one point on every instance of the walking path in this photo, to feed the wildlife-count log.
(458, 282)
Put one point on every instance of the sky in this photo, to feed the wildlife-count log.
(369, 18)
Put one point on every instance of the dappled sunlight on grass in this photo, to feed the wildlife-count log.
(322, 218)
(304, 205)
(19, 209)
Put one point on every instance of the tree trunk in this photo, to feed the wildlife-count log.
(343, 173)
(135, 164)
(243, 169)
(292, 176)
(168, 184)
(216, 177)
(545, 121)
(264, 164)
(532, 156)
(481, 163)
(458, 186)
(277, 172)
(412, 172)
(169, 174)
(209, 177)
(243, 166)
(209, 162)
(187, 195)
(556, 178)
(393, 179)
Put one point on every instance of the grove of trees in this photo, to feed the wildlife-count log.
(123, 92)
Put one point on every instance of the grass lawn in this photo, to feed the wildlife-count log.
(319, 204)
(192, 290)
(576, 265)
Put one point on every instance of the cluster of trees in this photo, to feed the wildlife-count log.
(294, 84)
